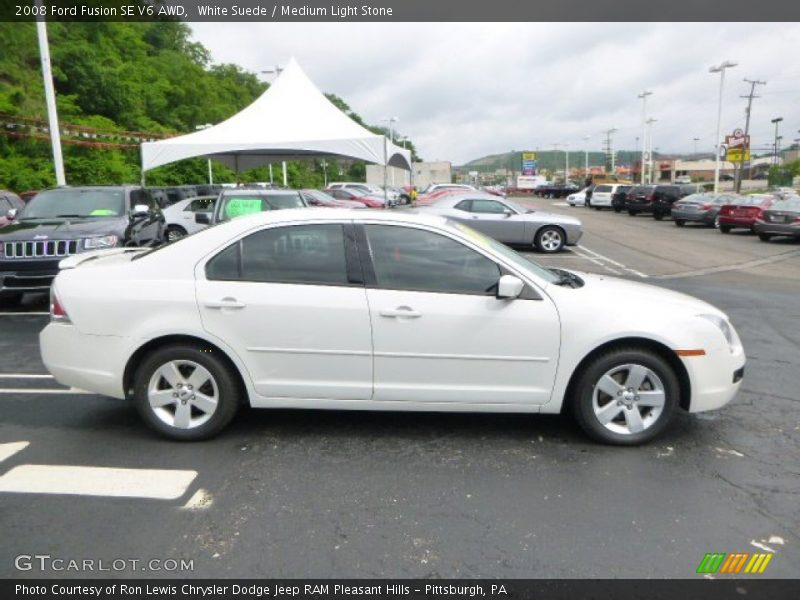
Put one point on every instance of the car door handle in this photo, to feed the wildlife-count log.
(402, 312)
(225, 303)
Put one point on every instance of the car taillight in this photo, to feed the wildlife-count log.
(797, 219)
(706, 206)
(57, 312)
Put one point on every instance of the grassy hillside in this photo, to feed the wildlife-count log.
(116, 77)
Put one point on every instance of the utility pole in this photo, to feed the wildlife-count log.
(695, 147)
(644, 96)
(753, 83)
(566, 164)
(776, 121)
(586, 157)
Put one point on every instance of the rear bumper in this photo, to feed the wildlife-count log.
(705, 217)
(90, 362)
(734, 222)
(639, 206)
(790, 229)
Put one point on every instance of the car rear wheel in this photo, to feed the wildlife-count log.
(764, 237)
(658, 216)
(626, 396)
(633, 213)
(186, 393)
(680, 222)
(549, 239)
(724, 229)
(617, 209)
(175, 232)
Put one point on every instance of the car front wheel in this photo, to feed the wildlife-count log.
(549, 239)
(185, 392)
(680, 222)
(626, 396)
(764, 237)
(174, 233)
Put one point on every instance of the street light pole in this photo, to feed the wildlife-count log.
(695, 146)
(650, 149)
(721, 70)
(586, 156)
(392, 121)
(644, 96)
(50, 99)
(566, 164)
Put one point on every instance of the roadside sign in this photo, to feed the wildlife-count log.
(738, 139)
(528, 163)
(735, 155)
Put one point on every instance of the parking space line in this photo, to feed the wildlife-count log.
(596, 261)
(159, 484)
(10, 449)
(21, 314)
(613, 262)
(42, 391)
(24, 376)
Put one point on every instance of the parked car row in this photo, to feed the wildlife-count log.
(768, 215)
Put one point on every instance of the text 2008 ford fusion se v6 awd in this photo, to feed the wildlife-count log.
(344, 310)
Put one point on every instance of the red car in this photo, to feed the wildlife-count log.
(353, 194)
(323, 199)
(9, 201)
(744, 213)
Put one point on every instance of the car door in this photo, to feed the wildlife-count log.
(439, 333)
(187, 215)
(291, 302)
(492, 218)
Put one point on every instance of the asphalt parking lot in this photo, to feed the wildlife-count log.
(343, 494)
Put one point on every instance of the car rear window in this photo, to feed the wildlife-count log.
(245, 204)
(603, 188)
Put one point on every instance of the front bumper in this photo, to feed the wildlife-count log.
(715, 377)
(27, 275)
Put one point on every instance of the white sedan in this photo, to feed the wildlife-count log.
(180, 219)
(578, 198)
(337, 309)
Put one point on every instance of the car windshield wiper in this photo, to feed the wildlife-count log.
(69, 216)
(565, 278)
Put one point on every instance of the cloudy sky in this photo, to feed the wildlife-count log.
(462, 91)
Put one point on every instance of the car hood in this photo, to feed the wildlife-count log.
(623, 295)
(62, 229)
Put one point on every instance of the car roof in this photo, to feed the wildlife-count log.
(255, 192)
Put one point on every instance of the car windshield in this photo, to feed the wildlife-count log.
(234, 205)
(756, 199)
(698, 199)
(792, 204)
(506, 252)
(53, 204)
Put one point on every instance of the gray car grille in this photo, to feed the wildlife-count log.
(42, 249)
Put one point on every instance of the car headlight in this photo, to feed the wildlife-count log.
(96, 243)
(723, 326)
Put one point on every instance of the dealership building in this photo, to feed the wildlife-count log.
(424, 174)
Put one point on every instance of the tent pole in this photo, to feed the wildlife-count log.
(236, 162)
(141, 162)
(285, 181)
(270, 173)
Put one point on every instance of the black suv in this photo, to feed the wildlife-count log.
(618, 197)
(640, 199)
(64, 221)
(664, 196)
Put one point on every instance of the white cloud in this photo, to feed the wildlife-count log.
(463, 90)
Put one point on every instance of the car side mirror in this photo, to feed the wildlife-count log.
(508, 212)
(140, 210)
(202, 218)
(11, 214)
(509, 287)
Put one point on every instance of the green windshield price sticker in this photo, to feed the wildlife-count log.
(102, 212)
(242, 206)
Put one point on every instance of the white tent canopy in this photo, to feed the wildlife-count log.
(291, 120)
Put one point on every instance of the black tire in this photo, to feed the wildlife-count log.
(10, 299)
(658, 216)
(617, 209)
(228, 390)
(724, 229)
(680, 222)
(173, 233)
(632, 213)
(582, 399)
(544, 238)
(596, 208)
(764, 237)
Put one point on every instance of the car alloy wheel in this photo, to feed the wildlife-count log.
(628, 399)
(183, 394)
(186, 392)
(625, 396)
(174, 233)
(550, 239)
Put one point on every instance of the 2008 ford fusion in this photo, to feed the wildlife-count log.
(336, 309)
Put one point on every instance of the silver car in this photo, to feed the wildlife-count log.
(508, 222)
